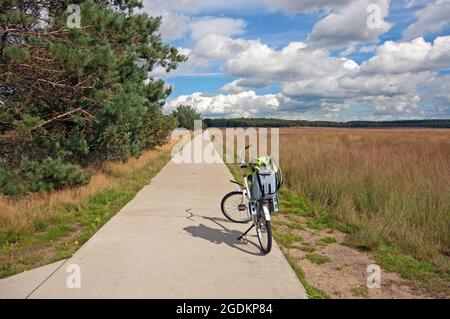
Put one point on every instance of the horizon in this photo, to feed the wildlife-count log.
(344, 121)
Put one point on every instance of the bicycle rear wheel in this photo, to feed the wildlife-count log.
(264, 232)
(235, 207)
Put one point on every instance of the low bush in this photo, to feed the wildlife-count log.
(35, 176)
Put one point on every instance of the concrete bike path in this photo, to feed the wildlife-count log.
(170, 241)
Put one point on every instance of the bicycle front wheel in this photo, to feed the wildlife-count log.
(235, 207)
(264, 232)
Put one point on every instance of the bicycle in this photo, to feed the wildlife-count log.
(239, 206)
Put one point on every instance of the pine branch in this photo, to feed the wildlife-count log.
(13, 134)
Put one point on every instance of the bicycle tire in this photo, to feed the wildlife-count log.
(229, 215)
(267, 247)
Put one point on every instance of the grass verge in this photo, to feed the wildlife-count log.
(318, 258)
(286, 240)
(313, 292)
(59, 223)
(424, 275)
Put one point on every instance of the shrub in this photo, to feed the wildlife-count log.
(34, 176)
(51, 174)
(186, 115)
(9, 184)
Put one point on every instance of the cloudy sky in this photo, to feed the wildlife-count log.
(309, 59)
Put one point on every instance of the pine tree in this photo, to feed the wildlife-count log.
(69, 96)
(186, 116)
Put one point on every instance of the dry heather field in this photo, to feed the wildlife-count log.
(388, 190)
(394, 184)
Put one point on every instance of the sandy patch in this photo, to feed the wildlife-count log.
(345, 274)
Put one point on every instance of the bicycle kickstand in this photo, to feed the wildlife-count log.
(246, 232)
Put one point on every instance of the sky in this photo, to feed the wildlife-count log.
(337, 60)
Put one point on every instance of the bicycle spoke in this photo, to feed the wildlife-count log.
(232, 207)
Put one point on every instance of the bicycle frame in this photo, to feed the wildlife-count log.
(255, 206)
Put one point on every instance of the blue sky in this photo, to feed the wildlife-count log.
(309, 59)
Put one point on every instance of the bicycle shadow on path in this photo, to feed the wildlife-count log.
(223, 235)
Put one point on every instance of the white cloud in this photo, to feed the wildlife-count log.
(246, 103)
(212, 40)
(437, 96)
(173, 25)
(241, 85)
(441, 88)
(296, 6)
(349, 26)
(415, 56)
(232, 87)
(212, 37)
(433, 18)
(400, 103)
(195, 66)
(382, 84)
(218, 26)
(249, 104)
(312, 81)
(353, 85)
(298, 70)
(230, 6)
(205, 6)
(368, 48)
(220, 47)
(292, 62)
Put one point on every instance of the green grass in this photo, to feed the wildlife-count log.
(327, 240)
(312, 292)
(318, 259)
(286, 239)
(55, 232)
(9, 236)
(296, 206)
(307, 249)
(305, 243)
(295, 219)
(288, 224)
(408, 267)
(62, 235)
(321, 221)
(296, 226)
(423, 274)
(291, 203)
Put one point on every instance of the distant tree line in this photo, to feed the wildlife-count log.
(273, 122)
